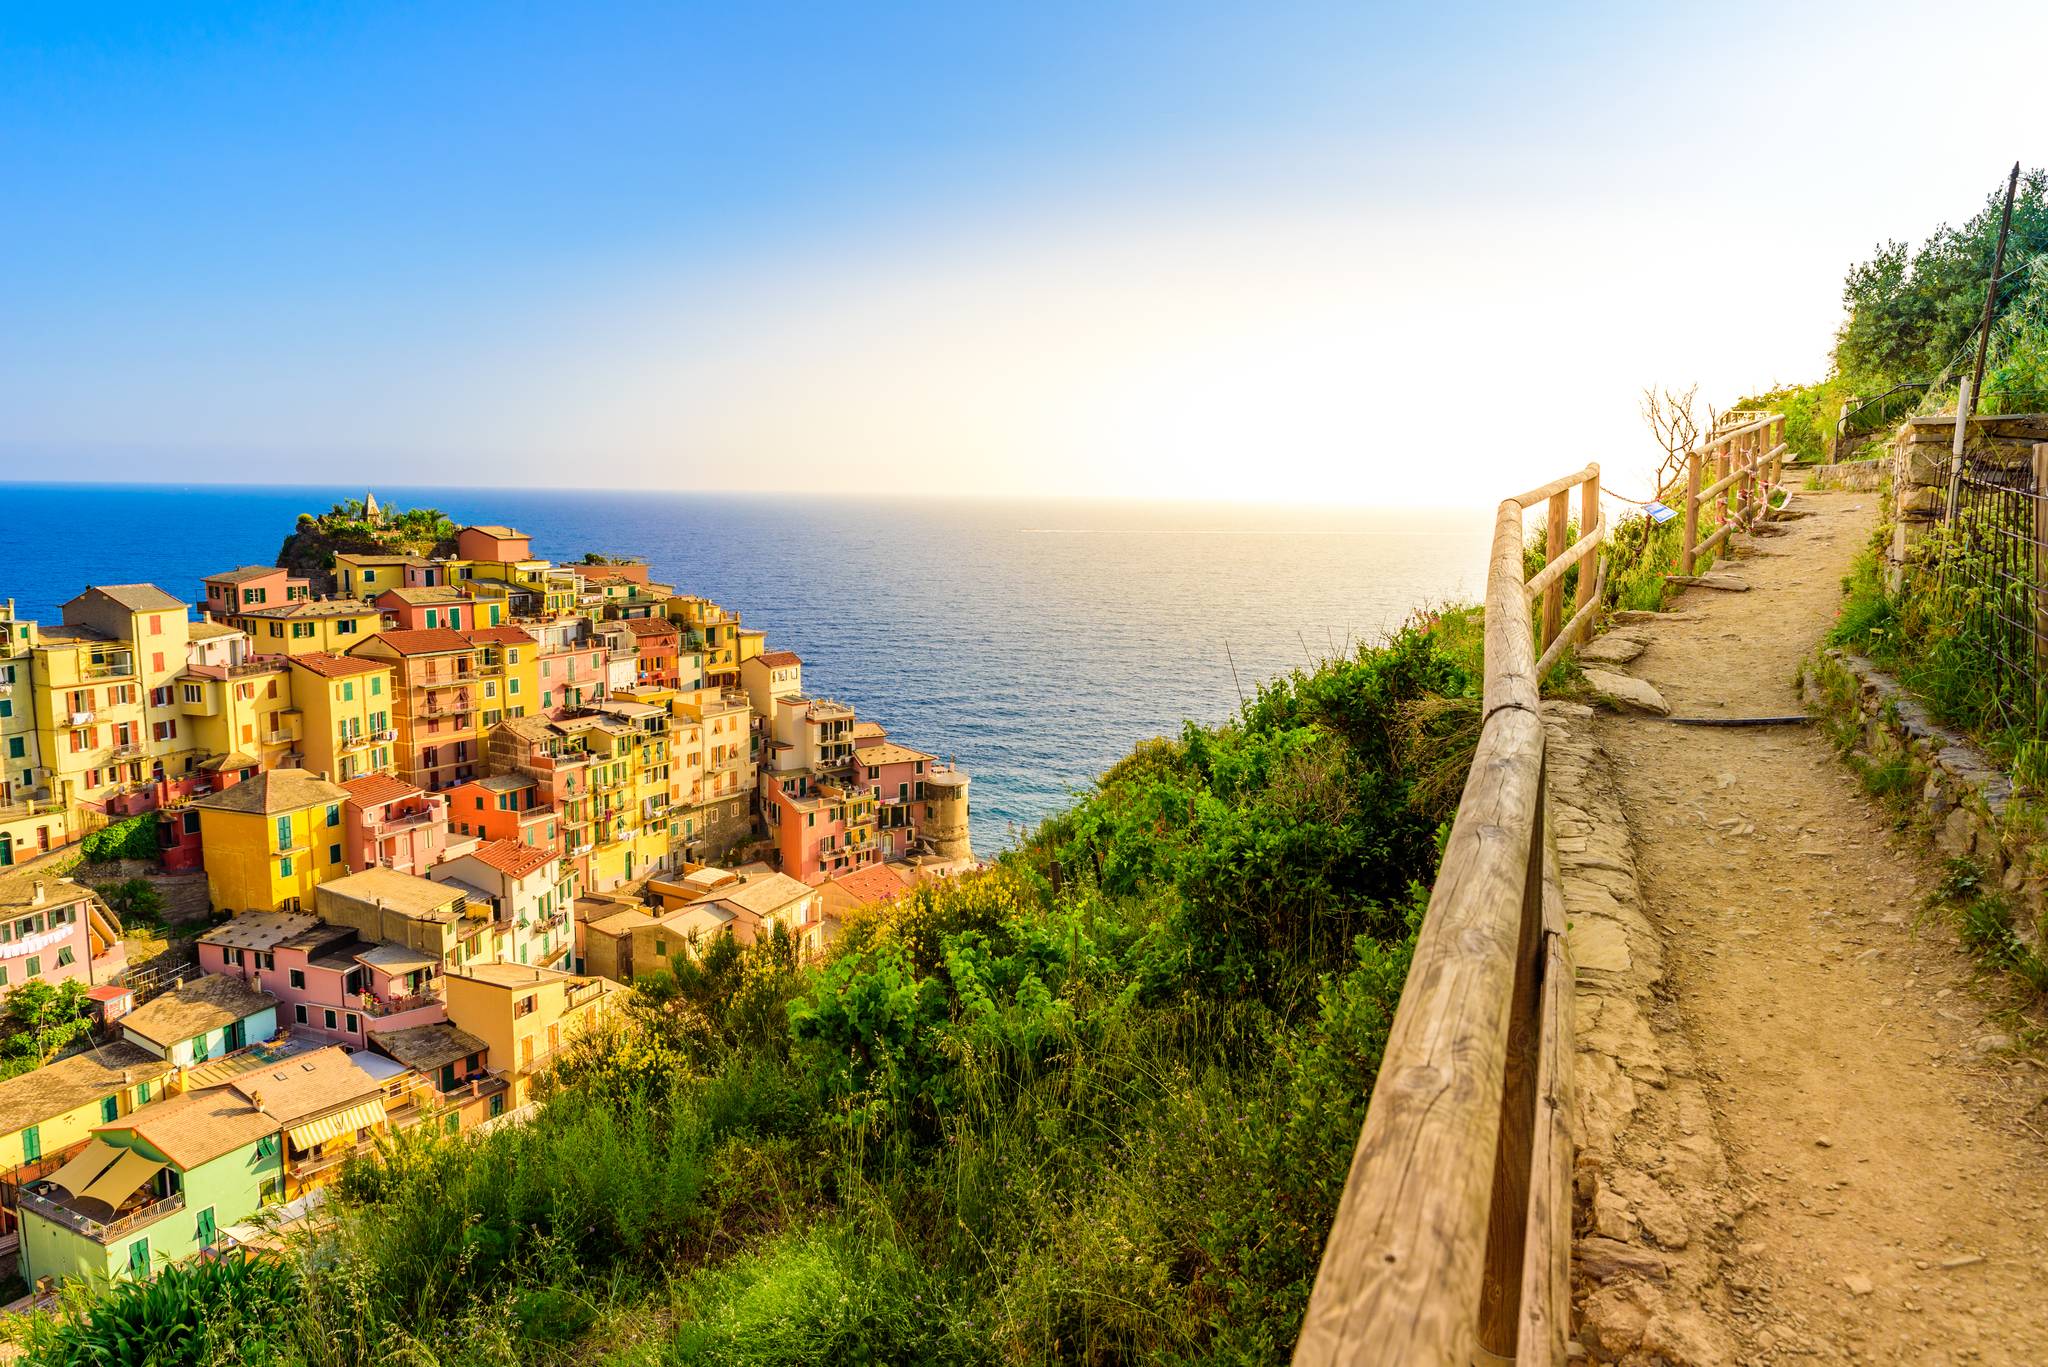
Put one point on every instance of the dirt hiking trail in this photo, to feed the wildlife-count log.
(1885, 1189)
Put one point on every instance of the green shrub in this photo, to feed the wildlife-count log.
(132, 838)
(236, 1309)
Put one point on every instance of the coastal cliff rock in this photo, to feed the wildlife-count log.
(360, 527)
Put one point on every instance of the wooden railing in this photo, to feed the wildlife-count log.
(1452, 1241)
(1748, 461)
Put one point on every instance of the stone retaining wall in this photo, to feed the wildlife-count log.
(1857, 476)
(1920, 468)
(1964, 794)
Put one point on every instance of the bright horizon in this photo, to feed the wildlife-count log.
(1314, 257)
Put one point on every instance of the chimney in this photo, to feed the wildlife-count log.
(38, 893)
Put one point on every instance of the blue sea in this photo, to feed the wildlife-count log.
(1033, 642)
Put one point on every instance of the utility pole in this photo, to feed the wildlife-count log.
(1976, 389)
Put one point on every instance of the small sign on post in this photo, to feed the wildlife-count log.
(1658, 513)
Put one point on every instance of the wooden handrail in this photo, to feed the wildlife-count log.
(1452, 1238)
(1749, 470)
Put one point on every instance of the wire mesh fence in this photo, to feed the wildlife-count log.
(1994, 576)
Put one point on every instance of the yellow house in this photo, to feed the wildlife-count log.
(525, 1015)
(711, 629)
(270, 840)
(366, 576)
(242, 714)
(331, 625)
(107, 718)
(50, 1110)
(507, 676)
(346, 703)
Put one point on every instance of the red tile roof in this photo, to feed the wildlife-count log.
(374, 790)
(500, 636)
(329, 666)
(650, 626)
(511, 858)
(425, 641)
(779, 659)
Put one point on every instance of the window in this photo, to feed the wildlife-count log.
(297, 977)
(334, 854)
(156, 662)
(352, 1023)
(237, 1035)
(205, 1230)
(333, 814)
(299, 1013)
(376, 684)
(284, 832)
(266, 1147)
(110, 1109)
(35, 965)
(348, 690)
(512, 687)
(328, 1019)
(284, 866)
(16, 748)
(32, 1143)
(138, 1258)
(65, 958)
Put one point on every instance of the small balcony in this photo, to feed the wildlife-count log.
(117, 665)
(102, 1231)
(371, 1004)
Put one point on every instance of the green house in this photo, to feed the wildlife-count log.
(150, 1189)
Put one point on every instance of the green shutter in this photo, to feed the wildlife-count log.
(32, 1143)
(110, 1109)
(206, 1230)
(138, 1258)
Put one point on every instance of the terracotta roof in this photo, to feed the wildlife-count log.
(425, 1048)
(500, 636)
(779, 659)
(274, 791)
(134, 597)
(875, 883)
(374, 790)
(511, 858)
(49, 1091)
(426, 641)
(204, 1004)
(198, 1127)
(331, 666)
(650, 626)
(307, 1084)
(243, 575)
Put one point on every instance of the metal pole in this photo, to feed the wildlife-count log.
(2012, 186)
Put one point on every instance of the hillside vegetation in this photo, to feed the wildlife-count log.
(1094, 1104)
(347, 527)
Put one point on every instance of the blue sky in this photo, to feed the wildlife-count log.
(1046, 249)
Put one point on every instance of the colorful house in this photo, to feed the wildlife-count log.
(326, 1105)
(209, 1017)
(525, 1016)
(47, 1114)
(508, 674)
(269, 841)
(345, 702)
(251, 586)
(366, 576)
(391, 822)
(53, 930)
(500, 545)
(324, 624)
(463, 1092)
(432, 918)
(505, 807)
(150, 1189)
(525, 889)
(242, 715)
(572, 663)
(435, 704)
(424, 609)
(330, 983)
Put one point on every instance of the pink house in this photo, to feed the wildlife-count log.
(329, 982)
(251, 586)
(49, 927)
(427, 609)
(895, 774)
(394, 823)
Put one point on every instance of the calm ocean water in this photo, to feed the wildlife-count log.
(1034, 642)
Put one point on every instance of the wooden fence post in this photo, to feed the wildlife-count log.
(1692, 512)
(1721, 499)
(1589, 568)
(1555, 543)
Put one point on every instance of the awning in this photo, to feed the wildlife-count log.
(88, 1163)
(123, 1180)
(362, 1116)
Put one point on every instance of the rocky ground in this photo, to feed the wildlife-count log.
(1806, 1138)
